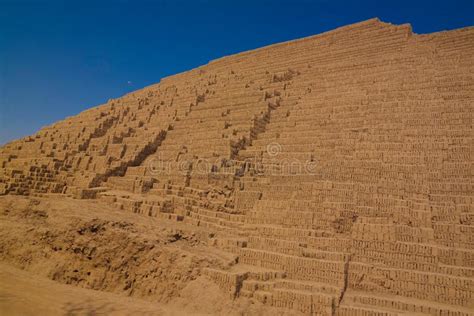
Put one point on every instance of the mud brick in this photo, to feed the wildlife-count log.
(336, 168)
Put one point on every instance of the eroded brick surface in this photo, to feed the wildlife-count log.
(339, 167)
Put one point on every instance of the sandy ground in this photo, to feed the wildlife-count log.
(22, 293)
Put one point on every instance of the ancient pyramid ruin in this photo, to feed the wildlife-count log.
(338, 167)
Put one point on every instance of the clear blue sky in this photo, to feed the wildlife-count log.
(58, 58)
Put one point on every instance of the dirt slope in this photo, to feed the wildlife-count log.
(104, 265)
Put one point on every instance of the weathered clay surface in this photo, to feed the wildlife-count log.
(330, 175)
